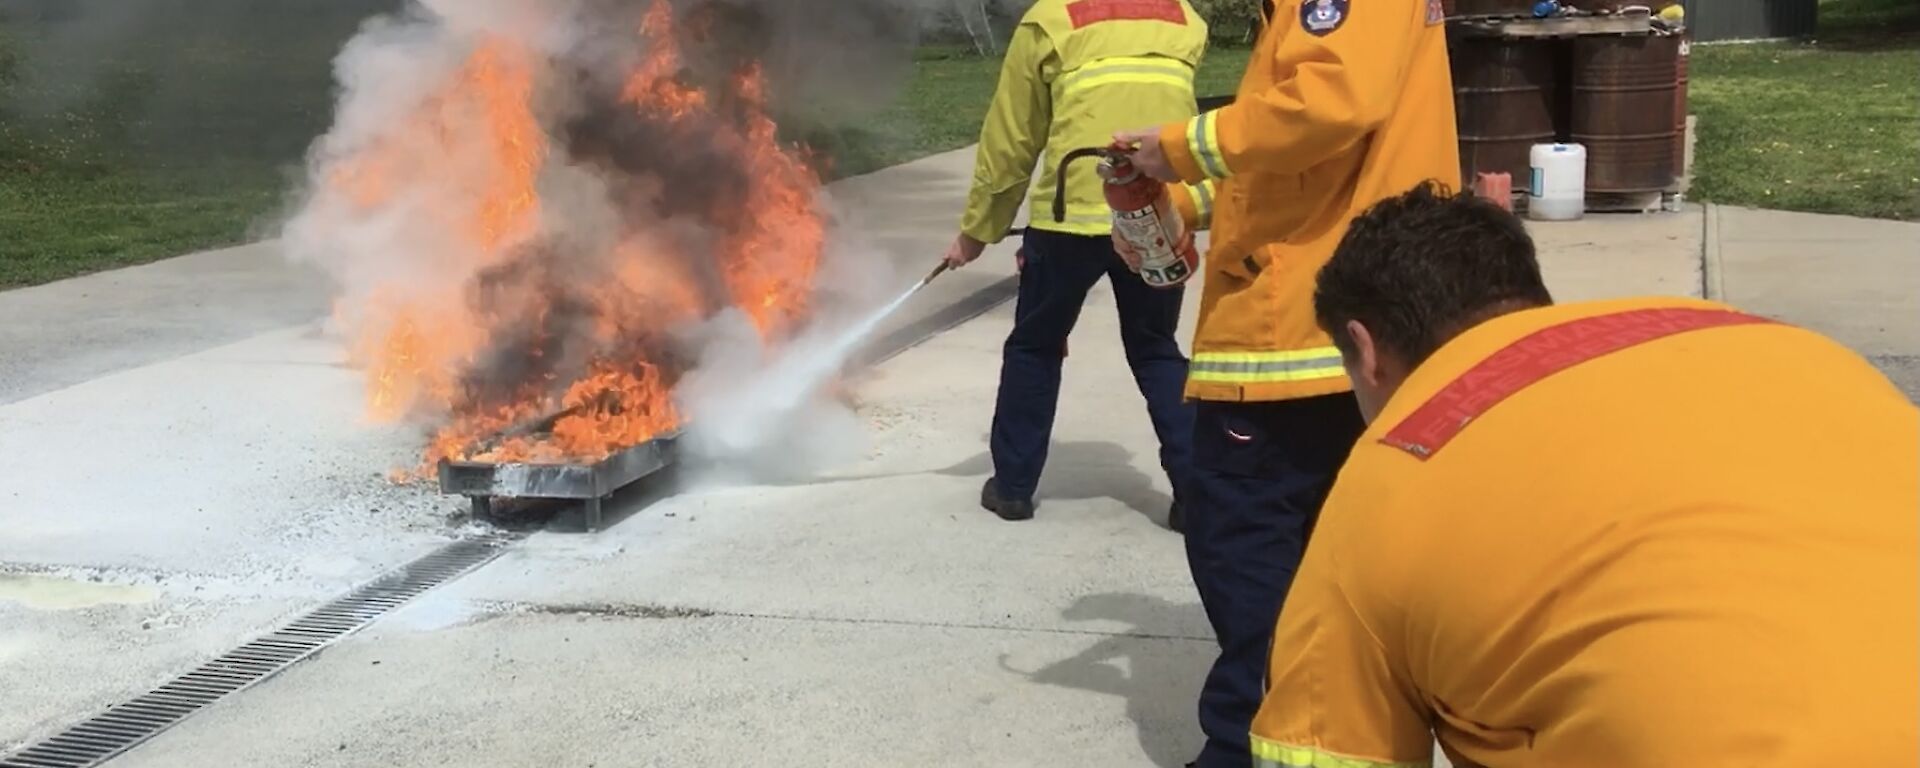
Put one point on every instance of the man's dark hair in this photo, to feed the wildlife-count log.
(1420, 268)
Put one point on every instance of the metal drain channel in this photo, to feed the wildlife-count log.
(116, 730)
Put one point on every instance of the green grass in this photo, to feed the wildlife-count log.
(1828, 126)
(938, 109)
(136, 131)
(189, 137)
(1220, 74)
(187, 129)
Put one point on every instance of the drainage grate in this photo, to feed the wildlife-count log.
(120, 728)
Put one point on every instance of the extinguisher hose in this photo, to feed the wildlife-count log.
(1060, 184)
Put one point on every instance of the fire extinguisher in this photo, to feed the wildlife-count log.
(1143, 215)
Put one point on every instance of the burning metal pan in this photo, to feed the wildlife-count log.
(483, 482)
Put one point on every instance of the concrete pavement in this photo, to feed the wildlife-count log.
(189, 465)
(1857, 280)
(64, 333)
(236, 486)
(168, 503)
(879, 601)
(877, 617)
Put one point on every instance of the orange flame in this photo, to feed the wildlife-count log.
(597, 387)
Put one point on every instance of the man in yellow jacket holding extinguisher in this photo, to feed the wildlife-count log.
(1075, 72)
(1344, 103)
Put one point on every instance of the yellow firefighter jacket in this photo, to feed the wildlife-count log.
(1076, 72)
(1343, 104)
(1650, 532)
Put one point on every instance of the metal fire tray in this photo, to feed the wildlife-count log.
(483, 482)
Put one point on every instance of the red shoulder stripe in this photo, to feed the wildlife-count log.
(1537, 356)
(1084, 12)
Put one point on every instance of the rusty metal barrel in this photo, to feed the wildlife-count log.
(1503, 97)
(1623, 110)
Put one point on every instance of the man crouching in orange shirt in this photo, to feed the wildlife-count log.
(1645, 532)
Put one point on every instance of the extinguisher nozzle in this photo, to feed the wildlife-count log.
(938, 269)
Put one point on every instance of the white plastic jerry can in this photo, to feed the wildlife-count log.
(1558, 189)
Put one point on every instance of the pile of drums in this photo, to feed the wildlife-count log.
(1621, 96)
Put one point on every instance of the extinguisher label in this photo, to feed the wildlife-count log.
(1141, 228)
(1170, 275)
(1160, 262)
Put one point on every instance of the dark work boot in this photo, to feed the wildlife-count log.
(1177, 518)
(1007, 509)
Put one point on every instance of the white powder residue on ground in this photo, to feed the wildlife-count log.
(435, 611)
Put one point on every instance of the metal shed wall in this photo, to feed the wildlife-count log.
(1750, 19)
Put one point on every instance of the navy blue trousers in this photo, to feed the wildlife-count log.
(1059, 270)
(1260, 474)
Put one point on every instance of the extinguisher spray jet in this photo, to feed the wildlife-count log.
(1143, 215)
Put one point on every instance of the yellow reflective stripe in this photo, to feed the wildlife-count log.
(1203, 139)
(1256, 367)
(1087, 228)
(1202, 200)
(1087, 213)
(1282, 355)
(1301, 374)
(1088, 209)
(1185, 84)
(1127, 69)
(1273, 754)
(1085, 220)
(1082, 218)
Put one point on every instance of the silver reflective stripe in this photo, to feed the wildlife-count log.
(1267, 366)
(1203, 140)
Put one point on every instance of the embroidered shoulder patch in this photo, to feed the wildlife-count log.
(1084, 12)
(1321, 17)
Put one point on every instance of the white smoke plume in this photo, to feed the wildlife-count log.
(771, 414)
(561, 209)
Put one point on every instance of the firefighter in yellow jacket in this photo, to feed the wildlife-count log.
(1076, 71)
(1639, 532)
(1344, 103)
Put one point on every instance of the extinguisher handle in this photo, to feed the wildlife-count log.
(1060, 183)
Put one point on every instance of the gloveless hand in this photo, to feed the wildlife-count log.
(964, 251)
(1148, 155)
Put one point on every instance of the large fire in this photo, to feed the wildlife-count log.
(524, 329)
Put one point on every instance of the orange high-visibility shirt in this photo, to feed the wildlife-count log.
(1629, 533)
(1344, 103)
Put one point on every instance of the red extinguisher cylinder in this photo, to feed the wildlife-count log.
(1144, 216)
